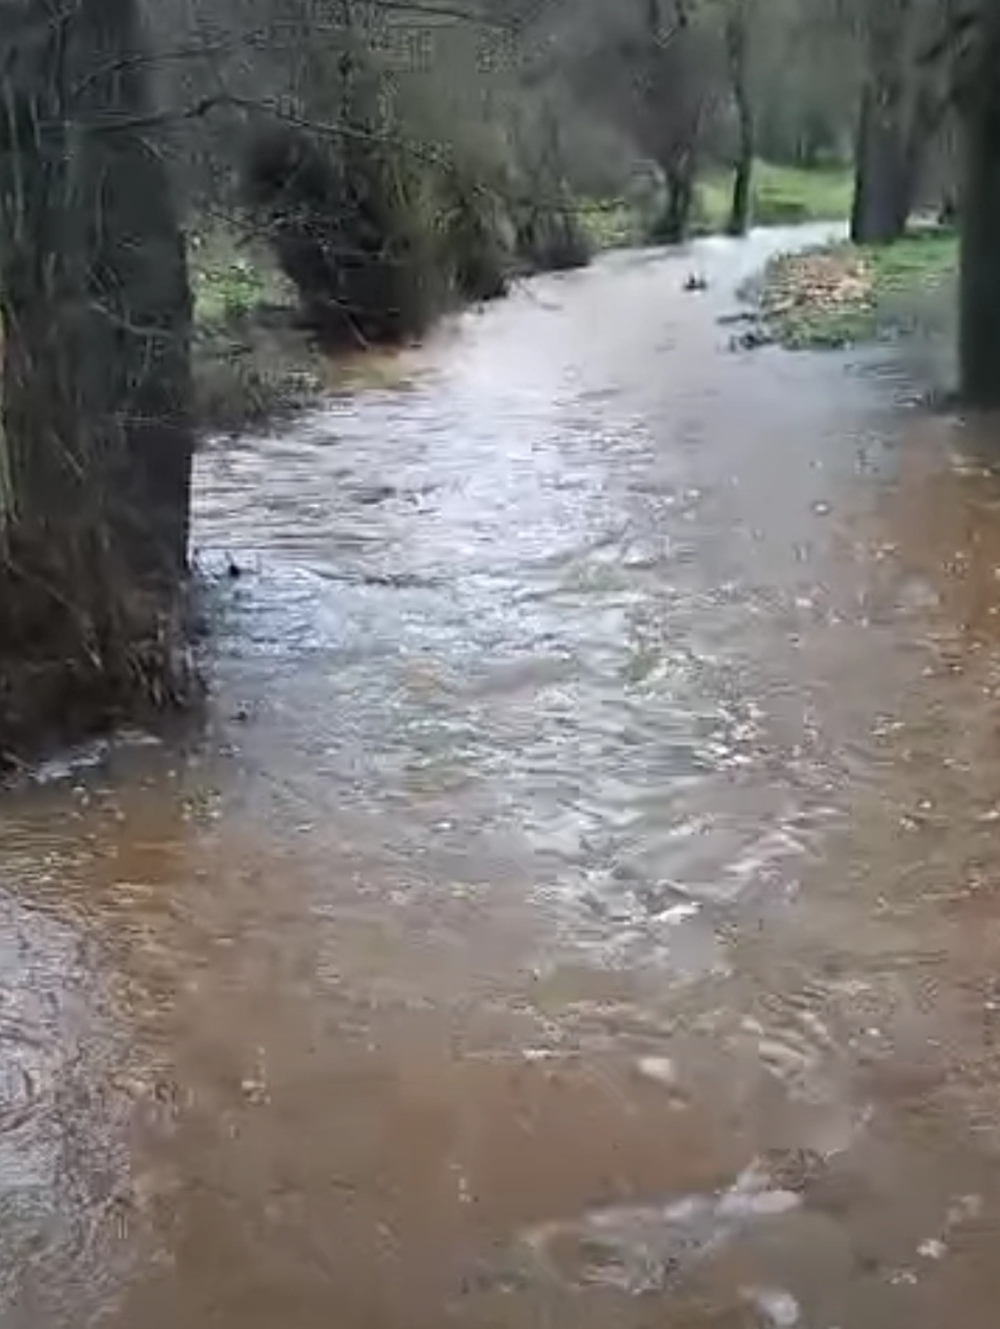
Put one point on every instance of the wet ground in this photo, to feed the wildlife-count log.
(584, 909)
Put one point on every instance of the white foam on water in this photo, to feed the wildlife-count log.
(778, 1307)
(642, 1248)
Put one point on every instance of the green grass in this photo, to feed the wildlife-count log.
(921, 259)
(782, 195)
(902, 281)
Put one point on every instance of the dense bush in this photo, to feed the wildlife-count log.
(352, 225)
(379, 236)
(550, 234)
(552, 240)
(477, 238)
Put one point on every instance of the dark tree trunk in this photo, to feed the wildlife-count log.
(900, 111)
(742, 198)
(883, 181)
(675, 224)
(670, 114)
(740, 208)
(96, 304)
(979, 323)
(96, 379)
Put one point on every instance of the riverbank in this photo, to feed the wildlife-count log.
(844, 294)
(254, 362)
(251, 361)
(782, 196)
(256, 357)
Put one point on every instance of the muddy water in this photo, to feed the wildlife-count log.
(584, 908)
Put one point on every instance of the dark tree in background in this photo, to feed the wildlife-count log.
(738, 23)
(901, 107)
(673, 94)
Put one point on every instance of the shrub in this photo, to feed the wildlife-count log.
(477, 240)
(352, 227)
(551, 239)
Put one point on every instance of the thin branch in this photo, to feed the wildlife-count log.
(263, 38)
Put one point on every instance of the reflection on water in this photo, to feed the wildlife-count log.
(583, 908)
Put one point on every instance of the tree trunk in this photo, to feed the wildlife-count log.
(979, 289)
(742, 198)
(901, 109)
(671, 106)
(675, 224)
(96, 379)
(740, 208)
(883, 182)
(96, 305)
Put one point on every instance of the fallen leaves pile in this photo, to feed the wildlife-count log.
(826, 282)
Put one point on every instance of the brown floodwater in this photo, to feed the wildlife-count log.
(583, 909)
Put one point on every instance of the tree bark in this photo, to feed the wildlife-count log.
(95, 297)
(670, 113)
(882, 183)
(737, 38)
(674, 225)
(979, 286)
(897, 115)
(741, 204)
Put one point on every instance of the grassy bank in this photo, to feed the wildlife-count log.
(782, 195)
(845, 294)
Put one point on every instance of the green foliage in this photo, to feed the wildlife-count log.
(232, 281)
(790, 194)
(610, 224)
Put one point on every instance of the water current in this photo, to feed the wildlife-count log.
(579, 911)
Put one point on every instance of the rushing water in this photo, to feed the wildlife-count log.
(584, 909)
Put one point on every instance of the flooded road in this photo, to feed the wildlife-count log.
(584, 909)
